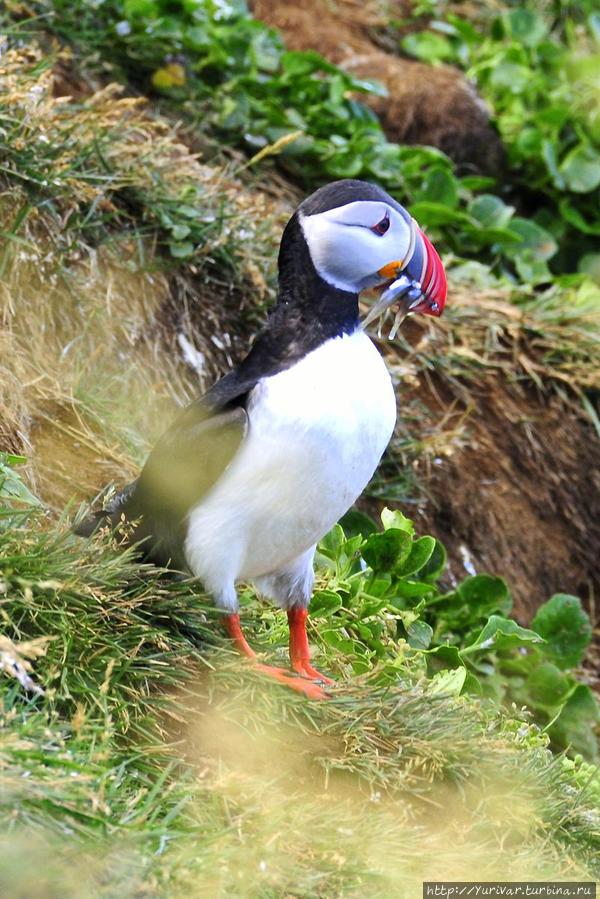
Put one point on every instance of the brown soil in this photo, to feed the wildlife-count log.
(337, 30)
(426, 105)
(434, 106)
(520, 498)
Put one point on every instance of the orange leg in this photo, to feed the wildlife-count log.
(285, 678)
(299, 651)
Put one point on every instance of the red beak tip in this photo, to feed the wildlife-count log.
(435, 285)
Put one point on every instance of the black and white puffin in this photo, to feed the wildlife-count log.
(252, 475)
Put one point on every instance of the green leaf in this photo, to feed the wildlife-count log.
(181, 250)
(12, 487)
(447, 683)
(432, 569)
(421, 552)
(179, 232)
(477, 182)
(565, 627)
(581, 169)
(532, 270)
(325, 603)
(427, 46)
(491, 211)
(378, 585)
(526, 26)
(419, 634)
(386, 551)
(298, 63)
(440, 186)
(444, 656)
(501, 633)
(336, 639)
(395, 519)
(406, 589)
(356, 522)
(485, 594)
(549, 157)
(12, 459)
(577, 722)
(332, 542)
(266, 51)
(189, 212)
(576, 218)
(510, 76)
(532, 237)
(428, 213)
(547, 685)
(133, 8)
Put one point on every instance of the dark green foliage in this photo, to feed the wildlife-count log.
(539, 76)
(395, 615)
(566, 628)
(232, 76)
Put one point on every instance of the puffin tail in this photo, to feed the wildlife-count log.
(114, 508)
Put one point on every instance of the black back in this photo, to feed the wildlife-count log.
(199, 445)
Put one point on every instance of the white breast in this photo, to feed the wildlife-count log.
(316, 434)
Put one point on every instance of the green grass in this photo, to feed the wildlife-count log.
(158, 761)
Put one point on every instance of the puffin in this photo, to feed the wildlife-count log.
(251, 475)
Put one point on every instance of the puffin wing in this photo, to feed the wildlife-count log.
(185, 464)
(192, 455)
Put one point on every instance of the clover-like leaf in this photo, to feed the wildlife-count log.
(388, 550)
(565, 627)
(501, 633)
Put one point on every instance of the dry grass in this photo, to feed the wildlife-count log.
(101, 339)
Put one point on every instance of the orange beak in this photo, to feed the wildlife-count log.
(423, 265)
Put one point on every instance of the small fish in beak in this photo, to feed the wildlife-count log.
(419, 282)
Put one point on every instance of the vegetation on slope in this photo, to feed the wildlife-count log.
(232, 76)
(155, 761)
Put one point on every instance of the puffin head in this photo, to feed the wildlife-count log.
(358, 237)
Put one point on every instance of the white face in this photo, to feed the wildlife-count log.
(350, 244)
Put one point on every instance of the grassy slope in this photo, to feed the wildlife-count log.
(155, 764)
(195, 779)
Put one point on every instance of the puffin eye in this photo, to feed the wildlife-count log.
(382, 226)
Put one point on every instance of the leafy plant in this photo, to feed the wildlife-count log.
(107, 165)
(540, 78)
(142, 750)
(16, 498)
(384, 606)
(233, 77)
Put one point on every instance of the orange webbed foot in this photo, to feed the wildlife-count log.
(303, 684)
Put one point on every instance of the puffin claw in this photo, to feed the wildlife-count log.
(288, 679)
(306, 670)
